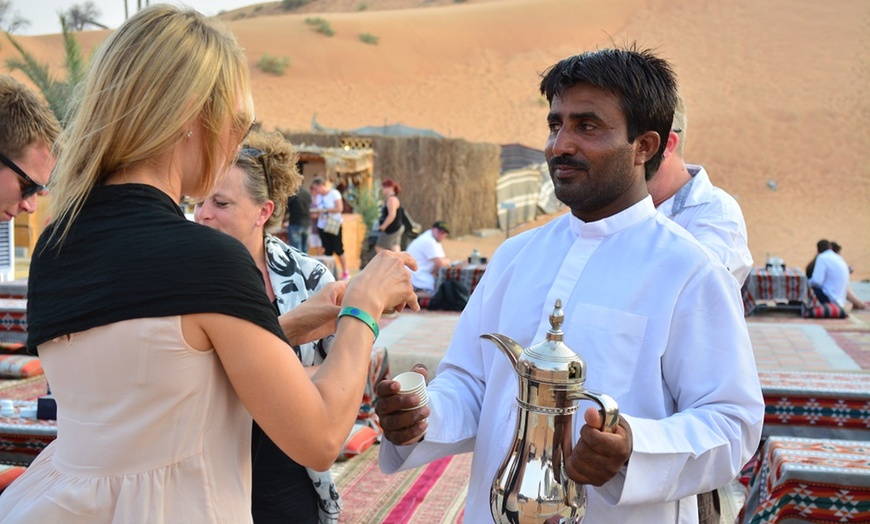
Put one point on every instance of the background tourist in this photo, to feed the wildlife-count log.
(830, 275)
(299, 219)
(853, 299)
(429, 254)
(685, 194)
(28, 130)
(329, 205)
(391, 223)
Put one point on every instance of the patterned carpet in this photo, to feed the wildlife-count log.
(856, 344)
(432, 494)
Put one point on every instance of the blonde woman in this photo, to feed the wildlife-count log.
(154, 332)
(243, 206)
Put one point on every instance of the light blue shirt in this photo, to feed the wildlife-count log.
(831, 273)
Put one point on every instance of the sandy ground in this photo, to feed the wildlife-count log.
(778, 93)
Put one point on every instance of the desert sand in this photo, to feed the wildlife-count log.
(777, 92)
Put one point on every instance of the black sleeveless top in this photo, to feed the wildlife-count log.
(396, 223)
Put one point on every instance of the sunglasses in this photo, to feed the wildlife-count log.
(259, 157)
(32, 187)
(250, 128)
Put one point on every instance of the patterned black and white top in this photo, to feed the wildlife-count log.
(296, 276)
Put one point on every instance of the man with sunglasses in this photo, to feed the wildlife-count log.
(28, 130)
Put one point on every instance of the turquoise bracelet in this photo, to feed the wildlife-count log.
(361, 315)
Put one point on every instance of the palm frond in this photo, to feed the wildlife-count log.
(37, 72)
(75, 63)
(58, 94)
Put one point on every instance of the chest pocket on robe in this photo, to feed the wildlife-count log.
(610, 341)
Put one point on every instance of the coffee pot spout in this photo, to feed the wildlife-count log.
(508, 346)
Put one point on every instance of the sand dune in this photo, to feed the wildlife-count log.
(777, 91)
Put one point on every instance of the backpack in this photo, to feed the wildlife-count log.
(413, 229)
(450, 296)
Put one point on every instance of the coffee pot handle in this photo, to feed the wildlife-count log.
(609, 409)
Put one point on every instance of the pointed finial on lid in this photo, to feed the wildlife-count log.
(556, 319)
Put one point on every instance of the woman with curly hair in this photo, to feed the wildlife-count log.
(243, 206)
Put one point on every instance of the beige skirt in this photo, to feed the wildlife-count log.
(390, 240)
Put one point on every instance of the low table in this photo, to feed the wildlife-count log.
(783, 289)
(466, 274)
(810, 480)
(818, 404)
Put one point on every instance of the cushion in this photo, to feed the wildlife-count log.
(19, 366)
(11, 348)
(423, 298)
(829, 310)
(8, 474)
(361, 438)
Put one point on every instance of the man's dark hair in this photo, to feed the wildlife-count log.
(823, 245)
(645, 84)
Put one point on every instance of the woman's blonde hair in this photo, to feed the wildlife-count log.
(165, 69)
(269, 163)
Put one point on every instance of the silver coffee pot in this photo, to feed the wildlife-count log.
(532, 485)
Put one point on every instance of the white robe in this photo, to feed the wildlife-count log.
(659, 322)
(714, 218)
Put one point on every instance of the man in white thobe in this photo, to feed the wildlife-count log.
(657, 318)
(684, 193)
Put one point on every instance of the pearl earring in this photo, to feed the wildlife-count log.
(189, 134)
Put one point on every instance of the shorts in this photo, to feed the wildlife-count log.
(331, 243)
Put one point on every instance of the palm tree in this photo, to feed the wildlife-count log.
(57, 93)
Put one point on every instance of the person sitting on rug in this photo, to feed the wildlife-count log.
(830, 280)
(853, 299)
(429, 254)
(156, 333)
(243, 206)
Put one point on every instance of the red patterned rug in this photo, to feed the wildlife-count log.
(856, 344)
(431, 494)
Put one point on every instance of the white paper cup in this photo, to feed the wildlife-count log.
(412, 382)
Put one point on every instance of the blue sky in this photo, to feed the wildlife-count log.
(42, 14)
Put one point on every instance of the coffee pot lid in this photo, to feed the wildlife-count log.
(552, 355)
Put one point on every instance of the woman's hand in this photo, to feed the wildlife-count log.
(315, 318)
(385, 283)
